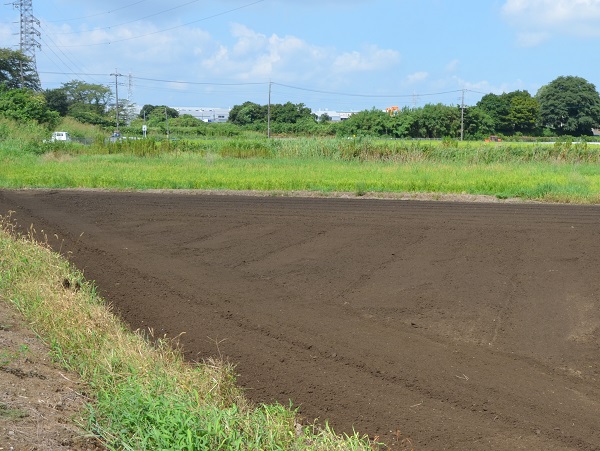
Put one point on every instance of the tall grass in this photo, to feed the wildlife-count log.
(367, 149)
(142, 396)
(564, 171)
(448, 151)
(551, 181)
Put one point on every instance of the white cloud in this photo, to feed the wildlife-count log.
(552, 12)
(452, 66)
(372, 58)
(416, 77)
(257, 57)
(218, 61)
(532, 39)
(248, 41)
(539, 19)
(482, 86)
(183, 87)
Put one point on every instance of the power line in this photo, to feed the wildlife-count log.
(57, 56)
(303, 89)
(74, 73)
(365, 95)
(47, 35)
(200, 82)
(168, 29)
(98, 14)
(131, 21)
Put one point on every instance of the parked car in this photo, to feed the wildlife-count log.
(60, 136)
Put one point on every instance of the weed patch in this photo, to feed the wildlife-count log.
(9, 413)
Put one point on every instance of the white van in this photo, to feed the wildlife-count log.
(60, 136)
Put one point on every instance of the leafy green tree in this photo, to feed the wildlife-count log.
(513, 112)
(86, 102)
(171, 112)
(524, 113)
(438, 121)
(372, 122)
(324, 118)
(290, 113)
(497, 108)
(158, 116)
(57, 100)
(247, 113)
(478, 124)
(13, 63)
(25, 105)
(85, 115)
(187, 120)
(404, 124)
(146, 110)
(253, 113)
(89, 97)
(569, 105)
(158, 110)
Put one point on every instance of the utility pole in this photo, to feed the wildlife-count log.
(117, 75)
(269, 113)
(144, 127)
(28, 37)
(167, 122)
(462, 116)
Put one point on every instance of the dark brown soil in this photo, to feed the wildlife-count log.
(459, 325)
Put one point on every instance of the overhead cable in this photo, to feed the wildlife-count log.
(167, 29)
(98, 14)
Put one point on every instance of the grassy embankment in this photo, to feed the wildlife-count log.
(142, 397)
(562, 172)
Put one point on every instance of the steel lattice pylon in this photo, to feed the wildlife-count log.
(29, 33)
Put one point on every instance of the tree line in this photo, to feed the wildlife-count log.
(568, 105)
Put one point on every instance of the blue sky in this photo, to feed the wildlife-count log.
(327, 54)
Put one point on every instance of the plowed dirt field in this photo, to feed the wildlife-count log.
(463, 326)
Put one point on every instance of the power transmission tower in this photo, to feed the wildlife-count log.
(415, 100)
(29, 35)
(129, 89)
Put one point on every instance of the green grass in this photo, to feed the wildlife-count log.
(563, 172)
(7, 357)
(142, 396)
(10, 414)
(553, 180)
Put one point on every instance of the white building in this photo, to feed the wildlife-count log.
(206, 114)
(336, 116)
